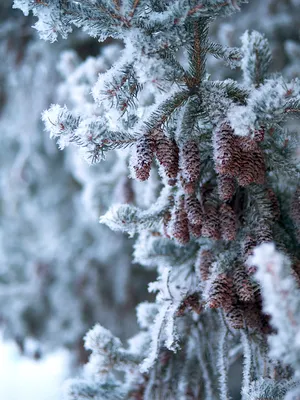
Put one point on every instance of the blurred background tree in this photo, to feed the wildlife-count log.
(60, 271)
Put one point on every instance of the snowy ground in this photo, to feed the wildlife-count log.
(21, 378)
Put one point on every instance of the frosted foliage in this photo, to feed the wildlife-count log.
(194, 144)
(146, 313)
(281, 301)
(78, 390)
(269, 389)
(271, 102)
(23, 5)
(256, 57)
(100, 339)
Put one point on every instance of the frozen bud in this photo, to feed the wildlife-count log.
(203, 263)
(221, 292)
(211, 223)
(193, 209)
(274, 204)
(167, 154)
(190, 165)
(224, 148)
(226, 187)
(144, 155)
(234, 316)
(259, 135)
(179, 222)
(228, 222)
(242, 284)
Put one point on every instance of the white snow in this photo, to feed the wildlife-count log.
(27, 379)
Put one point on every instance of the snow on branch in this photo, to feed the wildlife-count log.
(281, 300)
(256, 57)
(92, 135)
(273, 102)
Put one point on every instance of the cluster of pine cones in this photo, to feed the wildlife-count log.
(234, 292)
(214, 213)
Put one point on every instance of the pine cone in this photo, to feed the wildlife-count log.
(167, 154)
(235, 317)
(221, 292)
(274, 204)
(193, 209)
(228, 222)
(295, 208)
(226, 187)
(296, 270)
(190, 165)
(192, 302)
(246, 143)
(247, 250)
(211, 223)
(203, 263)
(144, 155)
(253, 316)
(179, 222)
(195, 230)
(264, 234)
(224, 149)
(242, 284)
(251, 167)
(248, 246)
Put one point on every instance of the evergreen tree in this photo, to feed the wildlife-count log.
(60, 273)
(219, 161)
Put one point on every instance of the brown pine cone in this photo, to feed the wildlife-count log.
(195, 230)
(221, 293)
(246, 143)
(193, 209)
(274, 204)
(235, 317)
(242, 284)
(144, 155)
(228, 222)
(224, 148)
(203, 263)
(251, 167)
(179, 222)
(190, 165)
(295, 208)
(167, 154)
(264, 234)
(211, 222)
(226, 187)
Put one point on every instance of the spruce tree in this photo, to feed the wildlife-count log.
(220, 159)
